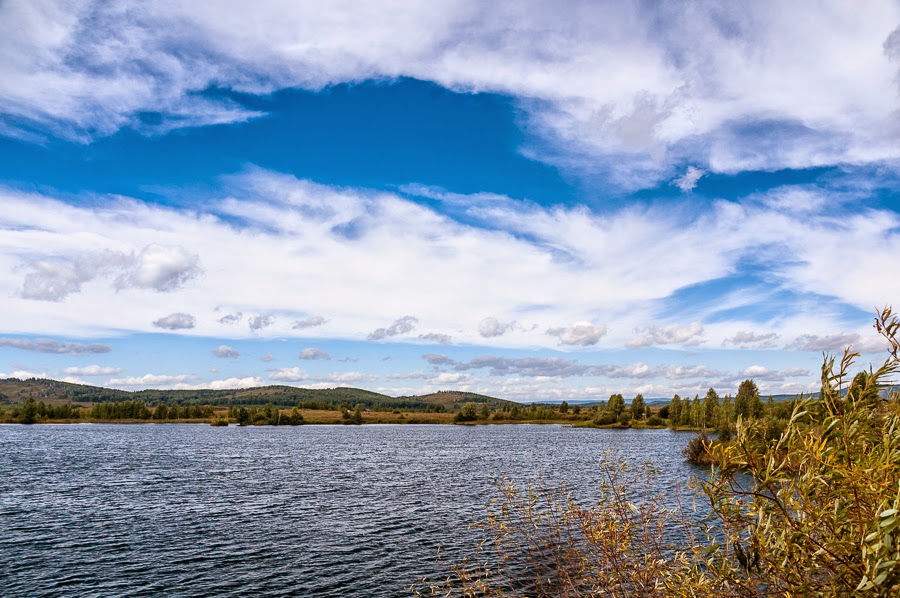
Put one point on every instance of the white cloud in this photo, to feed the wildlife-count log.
(261, 321)
(347, 377)
(583, 334)
(157, 267)
(625, 88)
(743, 338)
(667, 335)
(621, 264)
(23, 375)
(161, 268)
(310, 322)
(448, 378)
(224, 351)
(688, 181)
(48, 345)
(176, 321)
(437, 337)
(160, 381)
(226, 384)
(755, 370)
(401, 326)
(312, 353)
(289, 375)
(230, 319)
(92, 370)
(492, 327)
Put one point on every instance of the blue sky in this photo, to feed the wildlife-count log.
(507, 198)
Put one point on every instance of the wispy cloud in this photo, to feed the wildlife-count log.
(667, 335)
(47, 345)
(92, 370)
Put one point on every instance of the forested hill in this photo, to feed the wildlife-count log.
(13, 390)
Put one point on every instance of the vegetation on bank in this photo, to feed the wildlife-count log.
(812, 510)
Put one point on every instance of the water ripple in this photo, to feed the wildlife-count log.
(185, 510)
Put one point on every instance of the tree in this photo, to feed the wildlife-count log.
(675, 411)
(29, 412)
(468, 413)
(710, 407)
(564, 407)
(747, 394)
(638, 407)
(616, 404)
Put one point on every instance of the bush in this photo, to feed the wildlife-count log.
(697, 450)
(604, 418)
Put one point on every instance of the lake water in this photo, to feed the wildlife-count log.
(309, 511)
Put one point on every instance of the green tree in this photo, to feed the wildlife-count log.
(747, 395)
(616, 405)
(638, 407)
(675, 408)
(468, 413)
(710, 408)
(29, 412)
(564, 407)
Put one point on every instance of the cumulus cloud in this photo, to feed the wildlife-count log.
(158, 267)
(161, 268)
(436, 337)
(54, 279)
(47, 345)
(310, 322)
(401, 326)
(92, 370)
(261, 321)
(583, 335)
(289, 375)
(267, 358)
(224, 351)
(312, 353)
(492, 327)
(176, 321)
(230, 319)
(448, 378)
(689, 180)
(687, 334)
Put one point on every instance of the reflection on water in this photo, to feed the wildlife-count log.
(314, 510)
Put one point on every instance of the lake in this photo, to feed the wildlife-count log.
(313, 510)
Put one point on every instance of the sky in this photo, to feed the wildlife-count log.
(537, 201)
